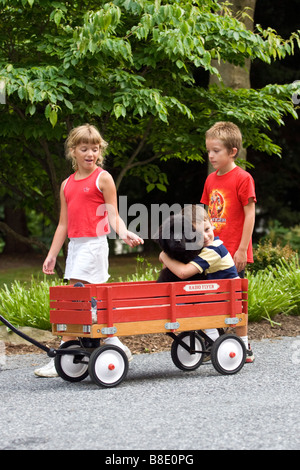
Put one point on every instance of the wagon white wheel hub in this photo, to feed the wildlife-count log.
(73, 369)
(229, 354)
(185, 357)
(109, 366)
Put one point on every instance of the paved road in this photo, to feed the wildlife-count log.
(157, 406)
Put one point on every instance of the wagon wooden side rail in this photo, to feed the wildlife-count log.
(134, 308)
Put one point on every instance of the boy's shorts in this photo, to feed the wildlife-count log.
(87, 259)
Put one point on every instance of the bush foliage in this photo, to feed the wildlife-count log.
(266, 255)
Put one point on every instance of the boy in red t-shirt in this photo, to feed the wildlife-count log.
(229, 193)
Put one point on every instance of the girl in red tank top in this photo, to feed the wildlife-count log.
(88, 198)
(88, 209)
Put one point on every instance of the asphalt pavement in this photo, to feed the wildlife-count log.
(157, 407)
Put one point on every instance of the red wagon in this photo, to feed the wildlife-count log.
(181, 309)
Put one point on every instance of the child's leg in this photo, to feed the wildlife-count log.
(212, 333)
(242, 332)
(114, 340)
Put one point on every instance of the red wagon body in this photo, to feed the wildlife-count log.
(182, 310)
(132, 308)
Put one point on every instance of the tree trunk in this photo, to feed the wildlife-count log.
(15, 218)
(233, 76)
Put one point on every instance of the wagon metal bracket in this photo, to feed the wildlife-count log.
(172, 325)
(231, 321)
(111, 330)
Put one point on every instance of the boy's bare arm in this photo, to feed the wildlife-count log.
(116, 222)
(240, 256)
(181, 270)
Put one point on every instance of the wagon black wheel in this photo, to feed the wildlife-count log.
(72, 367)
(228, 354)
(108, 366)
(182, 358)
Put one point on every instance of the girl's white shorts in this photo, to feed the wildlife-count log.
(87, 259)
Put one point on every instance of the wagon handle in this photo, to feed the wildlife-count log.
(49, 351)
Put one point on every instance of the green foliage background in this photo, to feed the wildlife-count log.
(131, 68)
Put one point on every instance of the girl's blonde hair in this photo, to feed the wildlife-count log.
(85, 134)
(228, 132)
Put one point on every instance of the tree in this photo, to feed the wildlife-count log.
(129, 67)
(235, 76)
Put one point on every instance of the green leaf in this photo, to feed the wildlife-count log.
(150, 187)
(57, 17)
(31, 109)
(53, 117)
(68, 104)
(119, 110)
(161, 187)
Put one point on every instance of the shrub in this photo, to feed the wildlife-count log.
(287, 273)
(27, 305)
(267, 255)
(266, 297)
(283, 235)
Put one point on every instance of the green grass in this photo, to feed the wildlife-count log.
(133, 266)
(120, 266)
(22, 275)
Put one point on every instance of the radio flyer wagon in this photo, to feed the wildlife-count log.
(182, 310)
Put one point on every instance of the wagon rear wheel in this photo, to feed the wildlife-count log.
(108, 366)
(184, 359)
(72, 367)
(228, 354)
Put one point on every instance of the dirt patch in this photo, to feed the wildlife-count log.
(282, 325)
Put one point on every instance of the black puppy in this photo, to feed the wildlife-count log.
(178, 238)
